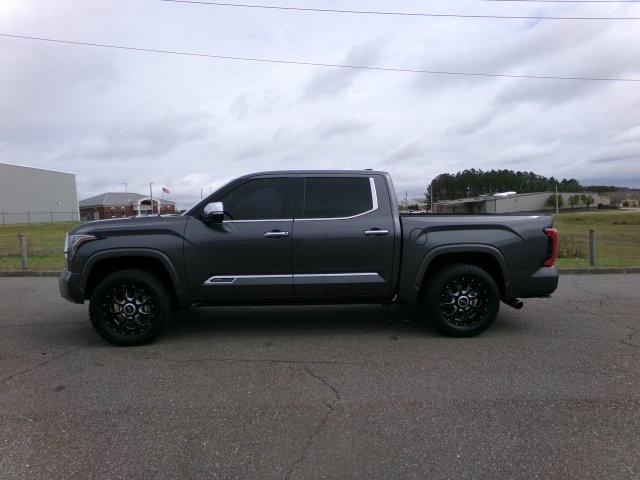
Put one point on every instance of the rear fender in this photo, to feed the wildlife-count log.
(428, 259)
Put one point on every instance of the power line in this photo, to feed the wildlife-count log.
(404, 14)
(316, 64)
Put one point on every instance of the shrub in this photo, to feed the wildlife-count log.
(551, 201)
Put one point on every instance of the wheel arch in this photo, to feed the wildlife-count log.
(108, 261)
(486, 257)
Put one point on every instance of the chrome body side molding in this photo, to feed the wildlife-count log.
(296, 279)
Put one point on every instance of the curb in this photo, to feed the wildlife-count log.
(595, 270)
(28, 273)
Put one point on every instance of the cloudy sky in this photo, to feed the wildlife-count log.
(114, 116)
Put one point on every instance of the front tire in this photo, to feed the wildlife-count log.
(130, 307)
(462, 300)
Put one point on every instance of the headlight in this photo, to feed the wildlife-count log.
(73, 242)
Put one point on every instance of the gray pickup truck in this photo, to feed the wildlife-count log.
(306, 237)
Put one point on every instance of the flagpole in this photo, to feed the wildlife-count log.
(151, 197)
(161, 200)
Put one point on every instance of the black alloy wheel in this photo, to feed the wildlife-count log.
(130, 307)
(462, 300)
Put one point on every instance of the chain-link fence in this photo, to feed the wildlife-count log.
(52, 216)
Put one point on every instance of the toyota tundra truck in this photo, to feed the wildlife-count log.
(306, 237)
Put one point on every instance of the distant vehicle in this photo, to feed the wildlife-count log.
(306, 237)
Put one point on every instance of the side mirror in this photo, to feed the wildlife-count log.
(213, 212)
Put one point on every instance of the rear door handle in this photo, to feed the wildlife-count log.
(276, 234)
(376, 232)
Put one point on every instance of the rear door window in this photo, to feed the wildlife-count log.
(336, 197)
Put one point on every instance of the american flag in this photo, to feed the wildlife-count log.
(165, 190)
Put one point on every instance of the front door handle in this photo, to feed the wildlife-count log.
(376, 232)
(276, 234)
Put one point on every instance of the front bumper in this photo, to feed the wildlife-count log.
(541, 283)
(69, 286)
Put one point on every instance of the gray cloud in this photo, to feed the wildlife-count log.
(339, 128)
(332, 82)
(145, 140)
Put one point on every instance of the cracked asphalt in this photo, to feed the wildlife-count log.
(550, 391)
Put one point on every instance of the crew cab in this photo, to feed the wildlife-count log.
(306, 237)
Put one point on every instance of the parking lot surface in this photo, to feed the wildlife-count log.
(550, 391)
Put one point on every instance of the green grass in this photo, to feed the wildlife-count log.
(617, 241)
(45, 242)
(617, 238)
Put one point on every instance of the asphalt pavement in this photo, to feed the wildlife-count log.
(550, 391)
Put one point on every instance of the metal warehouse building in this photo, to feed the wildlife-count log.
(514, 202)
(32, 195)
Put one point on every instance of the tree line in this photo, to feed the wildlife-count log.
(475, 182)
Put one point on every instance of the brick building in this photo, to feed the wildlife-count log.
(121, 204)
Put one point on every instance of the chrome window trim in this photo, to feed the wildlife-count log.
(374, 201)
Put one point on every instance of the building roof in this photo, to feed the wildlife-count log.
(117, 199)
(27, 167)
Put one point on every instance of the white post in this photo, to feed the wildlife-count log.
(23, 252)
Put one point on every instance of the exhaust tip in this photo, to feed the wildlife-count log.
(514, 303)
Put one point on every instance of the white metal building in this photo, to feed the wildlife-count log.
(33, 195)
(514, 202)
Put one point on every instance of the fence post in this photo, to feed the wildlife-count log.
(592, 247)
(23, 252)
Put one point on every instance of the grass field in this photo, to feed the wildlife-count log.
(45, 242)
(617, 235)
(617, 238)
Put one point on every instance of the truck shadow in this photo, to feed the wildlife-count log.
(297, 320)
(324, 319)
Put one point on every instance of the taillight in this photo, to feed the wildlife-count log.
(552, 254)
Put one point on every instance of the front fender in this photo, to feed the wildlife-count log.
(129, 252)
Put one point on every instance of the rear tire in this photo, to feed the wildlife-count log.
(130, 307)
(462, 300)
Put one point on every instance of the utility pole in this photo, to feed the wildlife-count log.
(431, 190)
(557, 207)
(406, 198)
(125, 188)
(151, 196)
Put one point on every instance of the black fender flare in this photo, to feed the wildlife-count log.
(129, 252)
(462, 248)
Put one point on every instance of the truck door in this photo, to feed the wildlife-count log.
(247, 256)
(343, 240)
